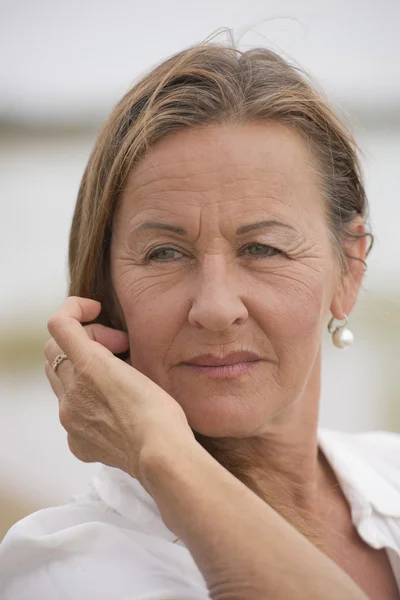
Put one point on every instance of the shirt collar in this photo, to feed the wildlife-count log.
(363, 464)
(127, 496)
(365, 477)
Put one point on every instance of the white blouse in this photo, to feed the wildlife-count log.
(110, 543)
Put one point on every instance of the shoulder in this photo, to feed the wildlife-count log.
(369, 462)
(376, 447)
(85, 549)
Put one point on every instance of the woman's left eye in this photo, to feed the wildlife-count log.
(261, 250)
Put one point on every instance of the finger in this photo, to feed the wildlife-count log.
(64, 370)
(51, 350)
(55, 382)
(113, 339)
(65, 327)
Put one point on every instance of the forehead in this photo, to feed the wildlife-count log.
(225, 162)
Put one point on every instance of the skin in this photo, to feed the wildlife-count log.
(215, 291)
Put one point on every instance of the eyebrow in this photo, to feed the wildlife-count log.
(240, 231)
(262, 225)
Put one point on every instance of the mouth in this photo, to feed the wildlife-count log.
(229, 371)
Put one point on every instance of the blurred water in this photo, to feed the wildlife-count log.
(39, 179)
(36, 460)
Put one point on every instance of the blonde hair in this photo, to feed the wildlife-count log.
(205, 84)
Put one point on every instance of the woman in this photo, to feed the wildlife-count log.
(220, 224)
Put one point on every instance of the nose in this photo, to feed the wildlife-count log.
(216, 301)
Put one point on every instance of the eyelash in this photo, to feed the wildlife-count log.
(150, 256)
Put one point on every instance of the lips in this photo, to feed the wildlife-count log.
(210, 360)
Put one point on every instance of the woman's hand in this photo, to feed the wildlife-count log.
(108, 408)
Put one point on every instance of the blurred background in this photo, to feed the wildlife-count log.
(63, 65)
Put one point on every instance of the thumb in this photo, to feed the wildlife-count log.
(115, 340)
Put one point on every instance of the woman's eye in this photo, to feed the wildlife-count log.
(260, 250)
(162, 254)
(166, 254)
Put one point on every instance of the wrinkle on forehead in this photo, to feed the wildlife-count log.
(257, 166)
(267, 147)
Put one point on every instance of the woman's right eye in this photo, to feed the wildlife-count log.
(161, 254)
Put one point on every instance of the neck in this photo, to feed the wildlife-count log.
(284, 465)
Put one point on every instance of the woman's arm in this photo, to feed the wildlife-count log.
(243, 547)
(116, 415)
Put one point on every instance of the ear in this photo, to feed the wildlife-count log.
(350, 279)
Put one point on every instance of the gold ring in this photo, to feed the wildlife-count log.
(58, 359)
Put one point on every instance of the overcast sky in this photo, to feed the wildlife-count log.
(71, 60)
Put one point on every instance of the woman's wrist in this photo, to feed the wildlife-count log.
(164, 451)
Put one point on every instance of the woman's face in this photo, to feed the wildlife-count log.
(213, 282)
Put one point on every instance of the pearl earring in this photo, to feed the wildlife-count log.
(341, 336)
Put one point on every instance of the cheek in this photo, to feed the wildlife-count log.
(153, 319)
(301, 309)
(296, 302)
(295, 321)
(294, 315)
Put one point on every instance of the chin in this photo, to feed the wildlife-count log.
(224, 416)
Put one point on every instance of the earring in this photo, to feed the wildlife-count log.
(341, 336)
